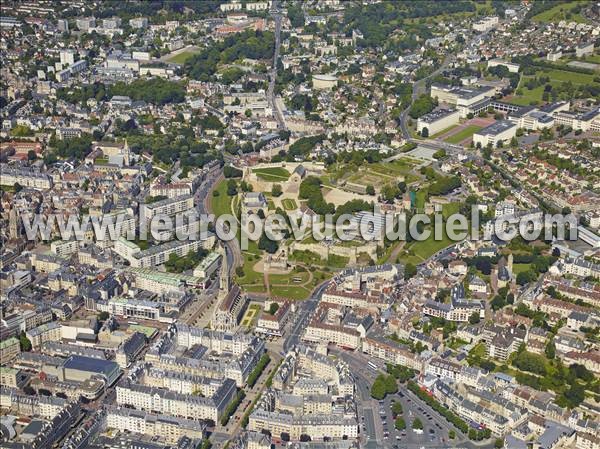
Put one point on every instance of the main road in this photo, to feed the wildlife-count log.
(204, 198)
(419, 88)
(273, 73)
(300, 319)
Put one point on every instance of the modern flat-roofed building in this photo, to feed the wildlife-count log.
(438, 120)
(161, 282)
(173, 190)
(500, 131)
(584, 49)
(486, 24)
(159, 254)
(135, 308)
(468, 100)
(208, 265)
(511, 66)
(586, 121)
(169, 206)
(532, 120)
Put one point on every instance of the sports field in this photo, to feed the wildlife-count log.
(463, 134)
(180, 58)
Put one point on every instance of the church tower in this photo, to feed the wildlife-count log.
(126, 154)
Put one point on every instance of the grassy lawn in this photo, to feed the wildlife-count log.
(272, 174)
(221, 204)
(592, 58)
(289, 204)
(182, 57)
(456, 343)
(250, 259)
(290, 292)
(561, 12)
(564, 75)
(251, 315)
(299, 273)
(528, 97)
(450, 209)
(421, 198)
(428, 247)
(417, 251)
(478, 350)
(520, 267)
(463, 134)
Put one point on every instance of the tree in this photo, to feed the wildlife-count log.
(528, 361)
(273, 308)
(24, 342)
(417, 424)
(525, 277)
(425, 132)
(410, 270)
(383, 386)
(276, 190)
(231, 172)
(499, 443)
(439, 154)
(400, 424)
(452, 434)
(421, 106)
(266, 244)
(31, 155)
(231, 188)
(550, 350)
(370, 190)
(397, 408)
(389, 192)
(474, 318)
(103, 316)
(572, 397)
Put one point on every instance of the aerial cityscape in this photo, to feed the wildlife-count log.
(316, 224)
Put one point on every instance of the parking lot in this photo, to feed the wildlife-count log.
(433, 432)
